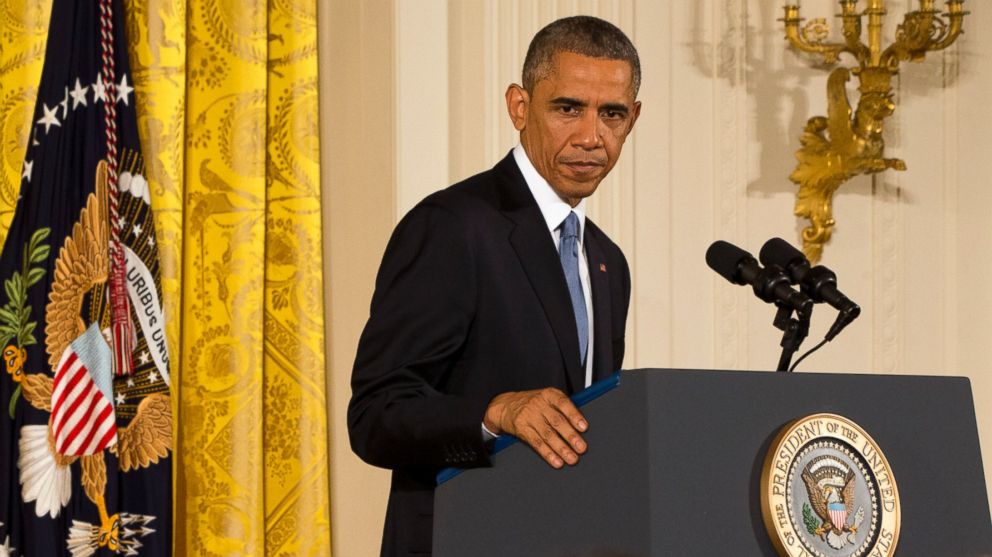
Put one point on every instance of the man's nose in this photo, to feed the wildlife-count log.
(589, 132)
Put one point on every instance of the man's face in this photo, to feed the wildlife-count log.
(573, 124)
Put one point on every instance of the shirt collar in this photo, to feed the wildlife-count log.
(553, 208)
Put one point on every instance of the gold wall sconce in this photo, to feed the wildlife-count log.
(847, 143)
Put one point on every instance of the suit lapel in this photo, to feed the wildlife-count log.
(536, 251)
(599, 281)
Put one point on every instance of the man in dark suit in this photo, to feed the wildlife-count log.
(496, 297)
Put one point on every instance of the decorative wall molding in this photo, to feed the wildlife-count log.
(952, 185)
(884, 306)
(728, 46)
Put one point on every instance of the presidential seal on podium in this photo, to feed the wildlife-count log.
(828, 491)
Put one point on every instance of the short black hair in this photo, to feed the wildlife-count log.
(581, 34)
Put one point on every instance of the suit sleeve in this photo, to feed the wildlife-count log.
(424, 302)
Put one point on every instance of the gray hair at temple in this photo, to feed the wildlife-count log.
(581, 34)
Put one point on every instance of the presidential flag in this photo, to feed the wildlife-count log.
(85, 408)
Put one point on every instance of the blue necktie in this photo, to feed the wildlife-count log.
(568, 252)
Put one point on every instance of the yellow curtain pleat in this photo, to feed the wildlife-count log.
(23, 31)
(252, 418)
(297, 509)
(221, 489)
(227, 113)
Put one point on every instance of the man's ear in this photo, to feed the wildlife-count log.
(517, 101)
(635, 115)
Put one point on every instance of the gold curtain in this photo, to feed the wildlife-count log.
(227, 107)
(23, 30)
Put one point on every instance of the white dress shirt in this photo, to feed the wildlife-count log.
(555, 210)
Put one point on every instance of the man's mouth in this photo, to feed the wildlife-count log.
(584, 166)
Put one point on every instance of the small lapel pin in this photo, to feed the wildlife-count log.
(602, 267)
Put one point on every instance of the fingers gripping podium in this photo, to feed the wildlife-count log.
(675, 465)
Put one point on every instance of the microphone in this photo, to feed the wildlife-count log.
(771, 284)
(819, 283)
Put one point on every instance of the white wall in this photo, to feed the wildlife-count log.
(724, 102)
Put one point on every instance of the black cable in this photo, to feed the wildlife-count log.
(811, 350)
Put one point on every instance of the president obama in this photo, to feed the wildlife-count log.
(496, 297)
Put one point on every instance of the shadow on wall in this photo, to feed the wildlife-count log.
(778, 102)
(777, 90)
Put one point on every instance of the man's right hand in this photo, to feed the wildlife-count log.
(544, 419)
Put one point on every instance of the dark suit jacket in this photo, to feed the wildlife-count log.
(470, 302)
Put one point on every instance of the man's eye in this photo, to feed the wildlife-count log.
(568, 110)
(612, 115)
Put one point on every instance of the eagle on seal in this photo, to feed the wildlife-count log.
(830, 485)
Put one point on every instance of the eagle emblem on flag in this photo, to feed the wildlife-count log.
(87, 410)
(80, 398)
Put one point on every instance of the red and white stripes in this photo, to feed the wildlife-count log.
(83, 420)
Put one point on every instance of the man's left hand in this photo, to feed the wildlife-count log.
(545, 419)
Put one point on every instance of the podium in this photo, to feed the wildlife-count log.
(675, 462)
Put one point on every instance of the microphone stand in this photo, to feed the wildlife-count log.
(796, 329)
